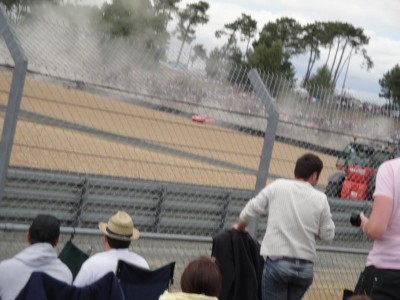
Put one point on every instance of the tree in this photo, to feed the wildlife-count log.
(350, 40)
(311, 41)
(126, 18)
(230, 31)
(285, 30)
(277, 42)
(390, 85)
(248, 29)
(320, 84)
(215, 63)
(192, 15)
(164, 9)
(272, 59)
(328, 35)
(17, 9)
(135, 20)
(198, 52)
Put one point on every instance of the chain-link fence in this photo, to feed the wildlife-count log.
(334, 269)
(104, 125)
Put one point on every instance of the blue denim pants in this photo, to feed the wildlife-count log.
(286, 279)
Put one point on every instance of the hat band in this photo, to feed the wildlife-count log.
(117, 234)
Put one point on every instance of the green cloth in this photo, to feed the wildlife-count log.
(73, 257)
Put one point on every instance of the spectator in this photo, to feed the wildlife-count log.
(201, 280)
(43, 236)
(118, 233)
(383, 227)
(298, 214)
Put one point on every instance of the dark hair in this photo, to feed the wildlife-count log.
(202, 276)
(306, 165)
(117, 244)
(44, 229)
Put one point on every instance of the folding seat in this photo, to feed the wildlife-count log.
(142, 284)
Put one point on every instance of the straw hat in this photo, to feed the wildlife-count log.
(120, 227)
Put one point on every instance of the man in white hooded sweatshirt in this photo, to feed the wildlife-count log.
(41, 256)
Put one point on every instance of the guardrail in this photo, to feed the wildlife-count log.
(80, 201)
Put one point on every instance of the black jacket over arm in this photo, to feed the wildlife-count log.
(238, 256)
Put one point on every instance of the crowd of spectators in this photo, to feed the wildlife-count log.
(37, 273)
(202, 91)
(350, 117)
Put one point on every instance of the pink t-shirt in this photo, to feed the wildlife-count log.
(385, 253)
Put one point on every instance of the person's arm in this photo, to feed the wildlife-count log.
(327, 227)
(375, 226)
(253, 209)
(382, 208)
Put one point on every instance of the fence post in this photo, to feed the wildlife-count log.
(14, 98)
(83, 192)
(161, 200)
(224, 211)
(273, 118)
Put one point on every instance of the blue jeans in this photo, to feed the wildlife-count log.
(286, 279)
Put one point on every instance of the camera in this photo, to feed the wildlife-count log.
(355, 219)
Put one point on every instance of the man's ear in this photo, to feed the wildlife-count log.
(315, 174)
(28, 238)
(105, 243)
(313, 179)
(56, 241)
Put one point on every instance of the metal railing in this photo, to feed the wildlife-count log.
(80, 201)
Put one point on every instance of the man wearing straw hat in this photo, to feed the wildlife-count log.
(118, 233)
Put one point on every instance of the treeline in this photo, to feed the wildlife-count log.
(281, 40)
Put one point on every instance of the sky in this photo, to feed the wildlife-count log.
(378, 18)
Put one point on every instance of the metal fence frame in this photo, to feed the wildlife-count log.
(77, 227)
(14, 99)
(269, 137)
(330, 266)
(72, 197)
(16, 91)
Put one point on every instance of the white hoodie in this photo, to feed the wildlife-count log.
(15, 272)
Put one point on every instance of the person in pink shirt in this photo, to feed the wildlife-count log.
(383, 227)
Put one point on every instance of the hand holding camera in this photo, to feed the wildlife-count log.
(355, 219)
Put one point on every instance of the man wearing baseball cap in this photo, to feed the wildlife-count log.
(41, 256)
(118, 232)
